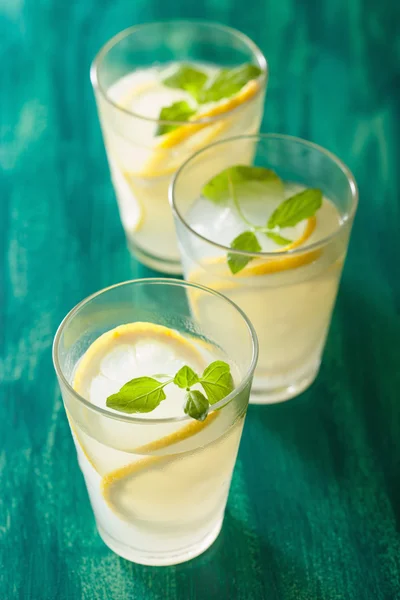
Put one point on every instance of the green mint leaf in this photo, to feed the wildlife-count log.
(144, 394)
(185, 377)
(278, 239)
(178, 111)
(196, 405)
(187, 78)
(249, 182)
(296, 208)
(139, 395)
(245, 241)
(217, 381)
(228, 82)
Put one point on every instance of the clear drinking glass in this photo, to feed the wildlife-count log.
(288, 296)
(158, 486)
(141, 163)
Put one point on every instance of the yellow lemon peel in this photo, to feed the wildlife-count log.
(177, 136)
(262, 266)
(162, 154)
(116, 477)
(188, 430)
(137, 330)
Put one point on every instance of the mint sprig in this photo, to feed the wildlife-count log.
(217, 381)
(203, 89)
(197, 405)
(252, 182)
(296, 208)
(144, 394)
(178, 111)
(245, 241)
(228, 82)
(185, 377)
(278, 239)
(242, 183)
(187, 78)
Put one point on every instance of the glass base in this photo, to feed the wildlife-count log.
(157, 263)
(270, 394)
(160, 559)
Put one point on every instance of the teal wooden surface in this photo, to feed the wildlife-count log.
(315, 502)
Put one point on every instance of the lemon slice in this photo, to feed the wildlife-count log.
(307, 233)
(129, 351)
(179, 135)
(132, 350)
(165, 488)
(165, 162)
(258, 266)
(285, 263)
(120, 354)
(215, 273)
(169, 151)
(120, 486)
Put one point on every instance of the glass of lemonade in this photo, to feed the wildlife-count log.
(156, 400)
(163, 91)
(266, 221)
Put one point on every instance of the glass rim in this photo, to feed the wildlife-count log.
(156, 281)
(347, 218)
(94, 68)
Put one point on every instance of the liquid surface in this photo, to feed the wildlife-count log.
(143, 93)
(221, 224)
(137, 350)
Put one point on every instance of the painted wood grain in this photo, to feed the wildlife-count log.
(315, 502)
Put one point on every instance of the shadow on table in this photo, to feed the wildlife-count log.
(238, 565)
(371, 349)
(351, 414)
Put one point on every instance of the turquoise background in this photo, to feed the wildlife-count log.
(315, 500)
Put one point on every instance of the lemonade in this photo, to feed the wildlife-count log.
(285, 277)
(157, 462)
(154, 116)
